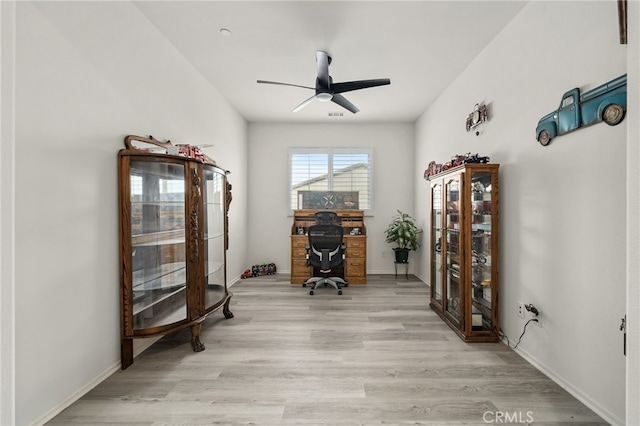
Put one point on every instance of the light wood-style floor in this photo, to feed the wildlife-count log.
(377, 355)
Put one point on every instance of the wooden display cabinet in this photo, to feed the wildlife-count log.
(355, 238)
(464, 250)
(173, 240)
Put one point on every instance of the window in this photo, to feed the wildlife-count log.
(567, 101)
(332, 169)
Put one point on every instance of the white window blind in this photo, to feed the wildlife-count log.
(332, 169)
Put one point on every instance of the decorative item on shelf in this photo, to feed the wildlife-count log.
(189, 151)
(475, 158)
(457, 160)
(607, 102)
(153, 145)
(477, 117)
(405, 234)
(432, 169)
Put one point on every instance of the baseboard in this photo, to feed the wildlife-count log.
(140, 345)
(233, 281)
(597, 408)
(423, 279)
(575, 392)
(76, 395)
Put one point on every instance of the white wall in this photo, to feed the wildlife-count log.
(270, 226)
(87, 74)
(563, 208)
(633, 226)
(7, 214)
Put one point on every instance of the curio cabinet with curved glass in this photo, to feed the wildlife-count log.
(173, 204)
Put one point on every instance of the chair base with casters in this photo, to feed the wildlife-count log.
(326, 251)
(335, 282)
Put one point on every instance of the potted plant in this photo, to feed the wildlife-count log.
(404, 233)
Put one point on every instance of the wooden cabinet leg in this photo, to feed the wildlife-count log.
(225, 309)
(126, 353)
(197, 345)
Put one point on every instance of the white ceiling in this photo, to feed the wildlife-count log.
(422, 46)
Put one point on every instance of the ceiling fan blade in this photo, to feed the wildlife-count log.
(284, 84)
(360, 84)
(304, 104)
(323, 80)
(343, 102)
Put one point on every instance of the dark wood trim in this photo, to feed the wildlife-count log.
(622, 20)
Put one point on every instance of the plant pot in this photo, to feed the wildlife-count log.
(402, 255)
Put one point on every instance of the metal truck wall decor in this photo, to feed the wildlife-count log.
(607, 103)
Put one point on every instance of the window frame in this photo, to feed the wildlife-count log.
(330, 152)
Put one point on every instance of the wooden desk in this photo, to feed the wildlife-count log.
(355, 268)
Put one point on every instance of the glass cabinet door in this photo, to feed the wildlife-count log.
(436, 240)
(480, 259)
(452, 247)
(158, 243)
(214, 214)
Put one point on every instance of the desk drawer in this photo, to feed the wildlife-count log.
(356, 253)
(298, 253)
(299, 267)
(299, 241)
(356, 242)
(356, 267)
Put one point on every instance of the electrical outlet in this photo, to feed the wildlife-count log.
(533, 312)
(521, 309)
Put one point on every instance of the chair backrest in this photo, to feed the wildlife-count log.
(325, 246)
(326, 217)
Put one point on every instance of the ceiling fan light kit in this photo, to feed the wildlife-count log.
(326, 90)
(324, 97)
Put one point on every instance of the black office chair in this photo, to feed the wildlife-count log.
(325, 252)
(326, 216)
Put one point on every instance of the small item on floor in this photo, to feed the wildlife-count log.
(258, 270)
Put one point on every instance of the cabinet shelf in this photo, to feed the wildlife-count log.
(214, 266)
(146, 303)
(163, 276)
(158, 238)
(213, 236)
(157, 203)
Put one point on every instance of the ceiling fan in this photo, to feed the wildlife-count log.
(327, 90)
